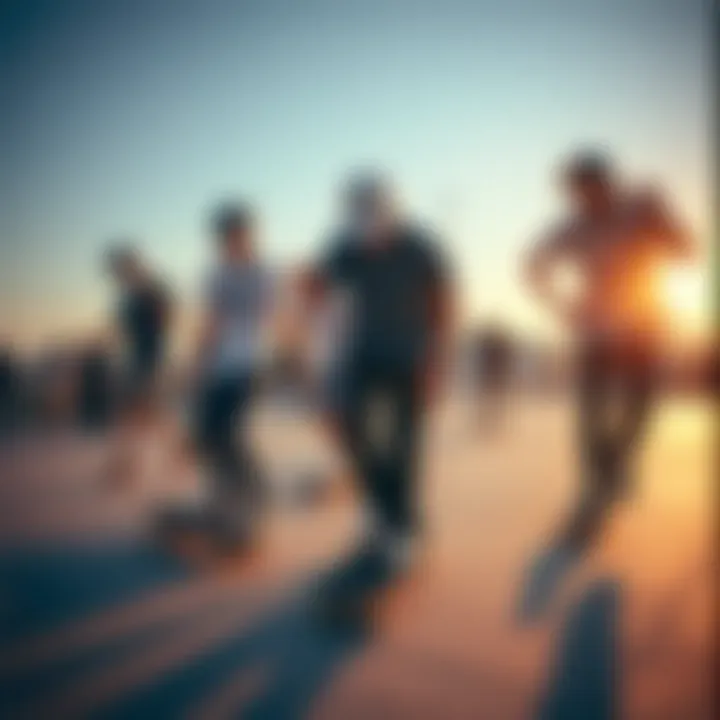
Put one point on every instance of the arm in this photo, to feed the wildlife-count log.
(664, 224)
(316, 282)
(296, 309)
(313, 286)
(272, 307)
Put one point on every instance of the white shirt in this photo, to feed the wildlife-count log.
(239, 298)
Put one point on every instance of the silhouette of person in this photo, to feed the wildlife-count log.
(238, 299)
(142, 324)
(612, 248)
(395, 280)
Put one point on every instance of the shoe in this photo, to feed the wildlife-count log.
(402, 551)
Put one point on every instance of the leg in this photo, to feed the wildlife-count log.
(127, 440)
(232, 505)
(636, 399)
(219, 405)
(399, 477)
(595, 451)
(594, 385)
(247, 474)
(352, 429)
(379, 428)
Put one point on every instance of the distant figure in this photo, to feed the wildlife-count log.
(616, 241)
(238, 301)
(493, 365)
(10, 393)
(394, 279)
(142, 327)
(95, 389)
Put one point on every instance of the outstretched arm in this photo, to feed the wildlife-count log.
(313, 286)
(206, 331)
(666, 226)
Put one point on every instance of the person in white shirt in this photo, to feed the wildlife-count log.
(238, 298)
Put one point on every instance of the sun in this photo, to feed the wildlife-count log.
(684, 290)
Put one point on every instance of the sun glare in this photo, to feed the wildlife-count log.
(685, 293)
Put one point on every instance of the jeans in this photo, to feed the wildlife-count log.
(380, 420)
(222, 412)
(619, 379)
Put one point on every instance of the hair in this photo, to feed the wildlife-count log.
(589, 165)
(231, 217)
(120, 253)
(367, 187)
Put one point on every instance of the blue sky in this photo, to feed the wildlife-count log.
(133, 117)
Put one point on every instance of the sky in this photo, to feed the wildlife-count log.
(132, 118)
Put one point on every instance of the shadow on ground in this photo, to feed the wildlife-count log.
(584, 679)
(50, 590)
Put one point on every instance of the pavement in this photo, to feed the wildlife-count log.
(99, 620)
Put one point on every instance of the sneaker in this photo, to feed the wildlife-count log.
(543, 580)
(402, 551)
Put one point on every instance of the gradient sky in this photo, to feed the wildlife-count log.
(133, 117)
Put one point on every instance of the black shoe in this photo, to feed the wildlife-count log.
(181, 519)
(345, 595)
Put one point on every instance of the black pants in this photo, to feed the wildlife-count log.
(381, 423)
(616, 390)
(221, 416)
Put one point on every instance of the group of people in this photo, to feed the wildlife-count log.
(396, 344)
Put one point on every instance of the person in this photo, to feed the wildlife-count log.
(94, 407)
(238, 302)
(612, 250)
(142, 327)
(394, 278)
(493, 357)
(11, 409)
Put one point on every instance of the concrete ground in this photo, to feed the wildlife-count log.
(98, 621)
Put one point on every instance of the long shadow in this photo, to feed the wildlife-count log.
(300, 658)
(299, 652)
(584, 681)
(45, 589)
(547, 571)
(50, 589)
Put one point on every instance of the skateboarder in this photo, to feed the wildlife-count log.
(142, 327)
(237, 302)
(394, 278)
(616, 241)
